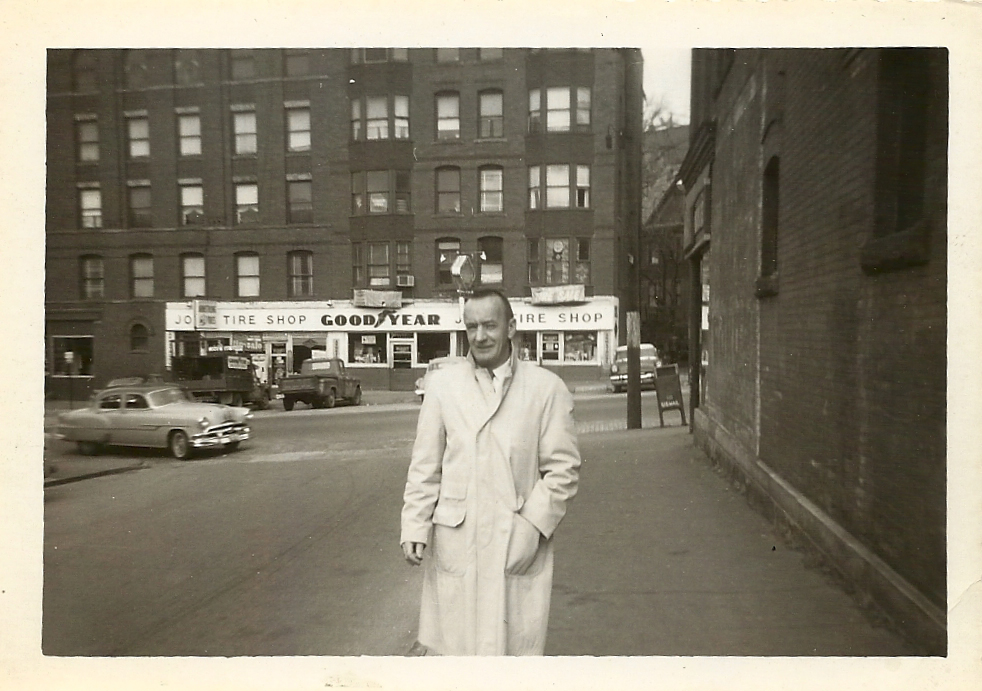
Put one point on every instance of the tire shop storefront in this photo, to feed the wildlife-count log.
(387, 347)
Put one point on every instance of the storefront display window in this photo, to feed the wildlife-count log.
(367, 349)
(528, 348)
(72, 355)
(431, 345)
(580, 346)
(550, 346)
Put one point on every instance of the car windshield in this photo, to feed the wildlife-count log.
(648, 351)
(166, 397)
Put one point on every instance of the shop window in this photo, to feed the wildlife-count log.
(579, 346)
(90, 208)
(492, 251)
(301, 272)
(491, 114)
(140, 209)
(487, 54)
(357, 264)
(491, 179)
(557, 261)
(550, 346)
(430, 346)
(244, 129)
(79, 362)
(528, 347)
(448, 190)
(193, 275)
(534, 261)
(247, 275)
(535, 110)
(447, 250)
(582, 270)
(243, 65)
(296, 63)
(367, 349)
(300, 207)
(141, 276)
(139, 339)
(448, 116)
(378, 264)
(84, 71)
(92, 277)
(448, 54)
(189, 134)
(192, 205)
(298, 129)
(138, 132)
(87, 140)
(187, 67)
(135, 69)
(246, 203)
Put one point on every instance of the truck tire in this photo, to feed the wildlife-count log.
(317, 402)
(356, 399)
(330, 399)
(287, 403)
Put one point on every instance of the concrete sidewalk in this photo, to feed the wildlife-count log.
(660, 556)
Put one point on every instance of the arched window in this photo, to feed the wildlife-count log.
(139, 338)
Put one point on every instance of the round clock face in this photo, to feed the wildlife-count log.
(557, 246)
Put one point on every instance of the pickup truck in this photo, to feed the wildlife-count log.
(320, 384)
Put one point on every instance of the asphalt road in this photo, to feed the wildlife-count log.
(285, 547)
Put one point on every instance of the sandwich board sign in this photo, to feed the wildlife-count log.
(669, 391)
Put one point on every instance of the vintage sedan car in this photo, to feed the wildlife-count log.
(434, 364)
(649, 360)
(154, 415)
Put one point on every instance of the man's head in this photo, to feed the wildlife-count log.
(490, 325)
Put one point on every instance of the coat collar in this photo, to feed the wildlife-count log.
(486, 412)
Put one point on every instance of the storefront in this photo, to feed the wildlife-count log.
(577, 340)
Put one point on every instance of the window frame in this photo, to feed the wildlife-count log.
(452, 98)
(136, 141)
(186, 276)
(293, 56)
(58, 367)
(140, 278)
(139, 216)
(491, 126)
(450, 193)
(381, 264)
(188, 142)
(139, 338)
(357, 265)
(446, 56)
(85, 145)
(366, 190)
(245, 142)
(85, 211)
(186, 208)
(244, 207)
(298, 210)
(497, 54)
(291, 131)
(443, 267)
(241, 275)
(488, 245)
(237, 61)
(300, 273)
(85, 76)
(187, 67)
(487, 194)
(92, 277)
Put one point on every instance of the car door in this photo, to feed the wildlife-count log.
(107, 413)
(138, 421)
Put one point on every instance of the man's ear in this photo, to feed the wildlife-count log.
(512, 329)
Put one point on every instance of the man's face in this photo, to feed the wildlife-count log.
(488, 332)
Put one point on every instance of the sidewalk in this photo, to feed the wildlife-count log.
(660, 556)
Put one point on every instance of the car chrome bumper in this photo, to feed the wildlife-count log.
(220, 436)
(621, 379)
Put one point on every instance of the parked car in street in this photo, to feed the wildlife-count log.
(320, 383)
(650, 361)
(434, 364)
(156, 416)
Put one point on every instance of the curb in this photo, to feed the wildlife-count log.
(87, 476)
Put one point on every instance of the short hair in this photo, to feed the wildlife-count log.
(494, 292)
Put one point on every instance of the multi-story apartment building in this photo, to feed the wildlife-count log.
(277, 202)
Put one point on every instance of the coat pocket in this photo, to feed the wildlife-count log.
(451, 506)
(450, 547)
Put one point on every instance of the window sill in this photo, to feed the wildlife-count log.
(897, 251)
(491, 140)
(766, 286)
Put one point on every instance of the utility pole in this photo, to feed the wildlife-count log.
(631, 144)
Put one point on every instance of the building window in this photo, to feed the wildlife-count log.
(357, 193)
(243, 65)
(557, 186)
(492, 253)
(378, 264)
(244, 127)
(401, 110)
(769, 218)
(356, 119)
(535, 187)
(370, 55)
(582, 187)
(448, 190)
(404, 259)
(534, 260)
(135, 69)
(367, 349)
(583, 106)
(357, 265)
(141, 276)
(90, 207)
(84, 71)
(247, 275)
(557, 109)
(560, 110)
(492, 123)
(139, 338)
(486, 54)
(448, 116)
(377, 185)
(557, 261)
(301, 270)
(399, 54)
(141, 213)
(298, 129)
(189, 134)
(376, 124)
(92, 277)
(138, 129)
(187, 67)
(87, 140)
(296, 63)
(246, 203)
(580, 346)
(492, 189)
(80, 348)
(377, 121)
(448, 54)
(192, 205)
(385, 190)
(193, 275)
(581, 272)
(447, 250)
(300, 208)
(403, 192)
(535, 110)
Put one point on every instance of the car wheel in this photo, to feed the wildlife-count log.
(357, 398)
(179, 445)
(88, 448)
(318, 402)
(237, 400)
(330, 399)
(232, 446)
(288, 404)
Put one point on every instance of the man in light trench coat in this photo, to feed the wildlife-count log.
(494, 464)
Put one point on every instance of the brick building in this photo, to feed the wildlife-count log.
(276, 202)
(816, 227)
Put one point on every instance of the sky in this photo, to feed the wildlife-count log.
(666, 80)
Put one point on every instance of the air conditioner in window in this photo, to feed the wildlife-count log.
(405, 281)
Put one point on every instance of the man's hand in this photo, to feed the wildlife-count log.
(413, 551)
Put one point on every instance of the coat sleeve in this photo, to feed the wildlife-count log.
(559, 464)
(425, 469)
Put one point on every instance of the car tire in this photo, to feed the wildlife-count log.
(179, 445)
(232, 446)
(356, 400)
(318, 402)
(288, 404)
(88, 448)
(330, 399)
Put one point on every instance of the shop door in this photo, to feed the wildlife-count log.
(402, 352)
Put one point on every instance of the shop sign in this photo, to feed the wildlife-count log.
(558, 295)
(205, 315)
